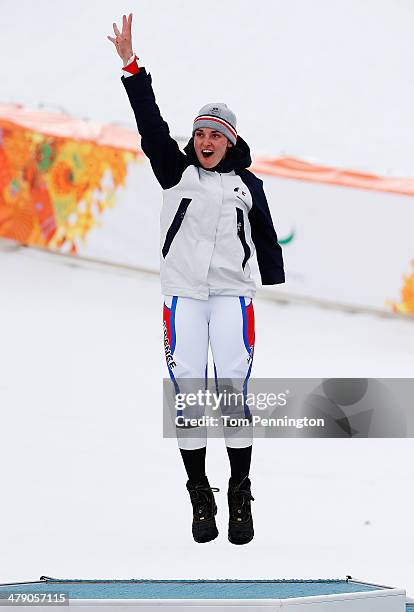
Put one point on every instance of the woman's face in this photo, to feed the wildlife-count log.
(210, 146)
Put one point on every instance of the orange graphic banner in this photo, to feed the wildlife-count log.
(57, 175)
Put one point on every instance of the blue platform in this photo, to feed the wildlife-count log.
(193, 589)
(223, 595)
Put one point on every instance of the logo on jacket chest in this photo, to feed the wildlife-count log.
(241, 195)
(240, 191)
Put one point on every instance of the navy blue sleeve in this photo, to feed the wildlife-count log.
(167, 161)
(268, 250)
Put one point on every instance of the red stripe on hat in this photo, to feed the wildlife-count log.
(210, 118)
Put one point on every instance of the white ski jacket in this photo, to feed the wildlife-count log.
(212, 221)
(205, 236)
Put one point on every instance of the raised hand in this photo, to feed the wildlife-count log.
(123, 40)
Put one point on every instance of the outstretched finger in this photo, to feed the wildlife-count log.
(112, 39)
(117, 32)
(124, 24)
(129, 22)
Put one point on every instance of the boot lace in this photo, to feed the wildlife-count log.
(240, 502)
(203, 502)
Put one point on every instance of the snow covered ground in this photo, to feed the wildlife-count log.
(90, 488)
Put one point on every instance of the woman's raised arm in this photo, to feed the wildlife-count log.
(167, 161)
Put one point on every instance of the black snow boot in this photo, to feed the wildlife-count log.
(204, 510)
(240, 514)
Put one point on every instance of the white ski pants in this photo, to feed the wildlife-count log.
(227, 323)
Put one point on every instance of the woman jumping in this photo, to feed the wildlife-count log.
(214, 217)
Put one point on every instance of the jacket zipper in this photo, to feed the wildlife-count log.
(241, 235)
(175, 225)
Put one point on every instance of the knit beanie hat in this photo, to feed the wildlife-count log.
(217, 116)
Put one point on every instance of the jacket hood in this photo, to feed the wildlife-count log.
(237, 157)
